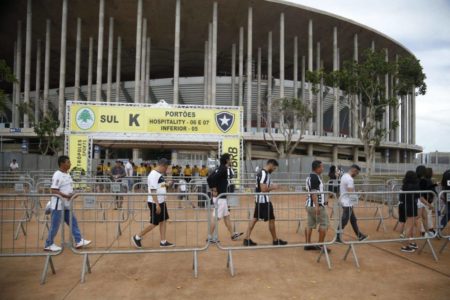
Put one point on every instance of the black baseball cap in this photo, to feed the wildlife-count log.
(163, 162)
(355, 166)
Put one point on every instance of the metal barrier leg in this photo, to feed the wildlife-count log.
(352, 247)
(48, 261)
(324, 251)
(118, 230)
(20, 226)
(381, 222)
(43, 229)
(230, 263)
(299, 226)
(445, 245)
(86, 267)
(195, 265)
(431, 248)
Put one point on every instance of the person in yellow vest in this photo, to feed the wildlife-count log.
(141, 170)
(107, 169)
(148, 168)
(175, 171)
(196, 170)
(203, 171)
(188, 173)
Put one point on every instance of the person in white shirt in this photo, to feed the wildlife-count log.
(347, 200)
(158, 210)
(129, 172)
(62, 188)
(13, 166)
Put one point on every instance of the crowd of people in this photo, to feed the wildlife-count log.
(416, 202)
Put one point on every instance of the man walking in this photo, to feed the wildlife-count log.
(263, 206)
(158, 209)
(348, 186)
(315, 206)
(62, 188)
(219, 184)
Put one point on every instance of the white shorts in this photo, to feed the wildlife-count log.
(420, 204)
(222, 208)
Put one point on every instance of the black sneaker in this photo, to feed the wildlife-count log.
(136, 242)
(338, 240)
(310, 248)
(212, 241)
(413, 246)
(362, 237)
(407, 249)
(249, 242)
(166, 244)
(280, 242)
(236, 236)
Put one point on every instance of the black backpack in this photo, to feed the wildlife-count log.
(212, 179)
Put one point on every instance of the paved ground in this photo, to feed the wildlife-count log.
(385, 273)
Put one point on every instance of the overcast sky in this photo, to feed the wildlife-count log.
(423, 26)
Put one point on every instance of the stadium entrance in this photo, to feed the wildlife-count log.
(160, 124)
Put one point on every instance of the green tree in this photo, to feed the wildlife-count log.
(46, 130)
(364, 85)
(291, 115)
(6, 75)
(85, 116)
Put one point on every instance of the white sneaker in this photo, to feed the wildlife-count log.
(82, 243)
(53, 248)
(429, 234)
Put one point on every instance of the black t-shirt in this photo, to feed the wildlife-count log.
(222, 180)
(409, 198)
(423, 184)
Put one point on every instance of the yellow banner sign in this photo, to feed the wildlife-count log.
(233, 147)
(129, 119)
(78, 152)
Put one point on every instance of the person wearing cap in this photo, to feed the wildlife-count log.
(347, 200)
(158, 209)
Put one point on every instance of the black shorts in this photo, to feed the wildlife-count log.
(401, 212)
(155, 218)
(411, 208)
(264, 211)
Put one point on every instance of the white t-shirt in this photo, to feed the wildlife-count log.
(156, 181)
(13, 166)
(129, 169)
(63, 182)
(346, 184)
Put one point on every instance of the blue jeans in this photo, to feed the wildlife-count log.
(56, 222)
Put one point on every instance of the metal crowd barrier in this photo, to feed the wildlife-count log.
(14, 217)
(187, 227)
(289, 209)
(361, 207)
(444, 218)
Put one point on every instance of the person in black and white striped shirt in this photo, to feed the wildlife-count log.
(263, 206)
(315, 206)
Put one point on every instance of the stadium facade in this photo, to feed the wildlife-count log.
(194, 52)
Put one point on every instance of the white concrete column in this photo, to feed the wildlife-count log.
(37, 92)
(241, 66)
(147, 70)
(210, 29)
(310, 68)
(101, 17)
(335, 155)
(118, 66)
(143, 54)
(214, 55)
(46, 67)
(205, 74)
(387, 124)
(356, 111)
(336, 89)
(258, 92)
(310, 150)
(176, 59)
(233, 74)
(303, 75)
(62, 66)
(282, 55)
(16, 116)
(413, 116)
(404, 123)
(26, 98)
(295, 71)
(249, 68)
(110, 59)
(76, 94)
(269, 81)
(319, 116)
(355, 154)
(137, 68)
(90, 68)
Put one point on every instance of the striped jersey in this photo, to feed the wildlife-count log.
(314, 184)
(263, 177)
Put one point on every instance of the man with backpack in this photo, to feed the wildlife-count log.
(263, 206)
(218, 183)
